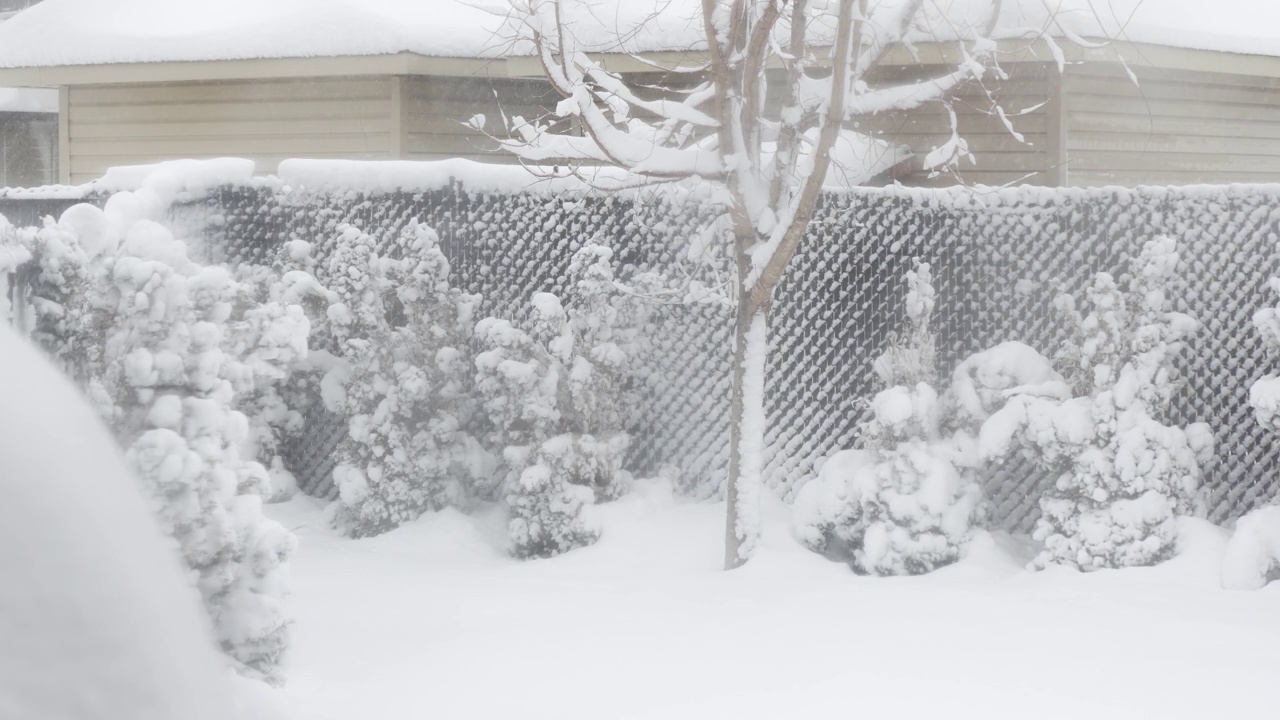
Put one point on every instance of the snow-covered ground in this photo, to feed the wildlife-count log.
(434, 620)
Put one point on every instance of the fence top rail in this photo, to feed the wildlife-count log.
(193, 179)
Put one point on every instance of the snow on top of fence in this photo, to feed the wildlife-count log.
(191, 179)
(191, 176)
(92, 32)
(384, 176)
(47, 192)
(978, 196)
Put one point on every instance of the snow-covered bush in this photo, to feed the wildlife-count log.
(403, 332)
(1264, 395)
(1124, 474)
(163, 346)
(556, 398)
(55, 275)
(1252, 558)
(270, 333)
(172, 387)
(520, 383)
(906, 501)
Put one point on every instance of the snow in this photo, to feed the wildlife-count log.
(28, 100)
(644, 624)
(96, 619)
(384, 176)
(91, 32)
(1253, 555)
(855, 160)
(172, 176)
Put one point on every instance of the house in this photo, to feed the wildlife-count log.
(146, 80)
(28, 127)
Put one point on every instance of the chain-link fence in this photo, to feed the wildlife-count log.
(999, 257)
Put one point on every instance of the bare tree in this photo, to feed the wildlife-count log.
(813, 61)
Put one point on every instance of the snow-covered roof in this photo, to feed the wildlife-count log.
(93, 32)
(28, 100)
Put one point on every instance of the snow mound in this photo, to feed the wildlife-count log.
(1253, 554)
(96, 619)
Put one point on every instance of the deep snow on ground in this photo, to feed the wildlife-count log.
(433, 620)
(95, 618)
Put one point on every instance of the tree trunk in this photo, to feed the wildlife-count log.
(746, 434)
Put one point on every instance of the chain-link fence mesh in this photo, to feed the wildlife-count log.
(999, 257)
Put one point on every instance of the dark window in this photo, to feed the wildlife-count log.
(28, 149)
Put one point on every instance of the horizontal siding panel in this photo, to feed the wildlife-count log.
(263, 121)
(1134, 179)
(462, 110)
(974, 177)
(920, 123)
(475, 91)
(1171, 143)
(997, 142)
(1114, 71)
(338, 144)
(416, 143)
(1172, 161)
(1182, 128)
(1187, 107)
(1113, 123)
(499, 158)
(376, 126)
(998, 161)
(290, 110)
(1000, 158)
(224, 92)
(1179, 90)
(94, 167)
(445, 122)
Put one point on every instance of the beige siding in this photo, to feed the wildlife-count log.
(999, 156)
(267, 121)
(437, 111)
(1171, 128)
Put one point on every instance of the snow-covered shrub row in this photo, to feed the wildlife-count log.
(907, 500)
(536, 419)
(1124, 473)
(166, 348)
(507, 238)
(904, 502)
(555, 396)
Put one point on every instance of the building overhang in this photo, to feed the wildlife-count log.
(1138, 55)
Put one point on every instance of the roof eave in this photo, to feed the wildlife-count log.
(1011, 51)
(254, 69)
